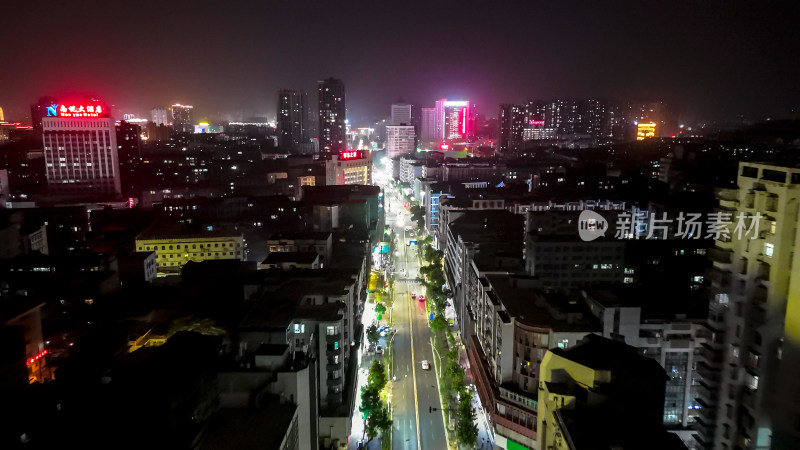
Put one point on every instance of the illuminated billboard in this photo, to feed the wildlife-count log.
(74, 110)
(350, 154)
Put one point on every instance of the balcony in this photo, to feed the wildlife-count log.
(334, 366)
(513, 426)
(335, 381)
(710, 355)
(332, 349)
(333, 337)
(720, 278)
(719, 255)
(708, 372)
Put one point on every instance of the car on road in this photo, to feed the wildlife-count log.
(413, 296)
(379, 349)
(425, 365)
(421, 298)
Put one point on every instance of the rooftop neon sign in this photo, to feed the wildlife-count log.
(64, 110)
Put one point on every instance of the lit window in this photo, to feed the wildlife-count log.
(769, 249)
(299, 328)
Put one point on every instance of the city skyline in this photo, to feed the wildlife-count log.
(716, 64)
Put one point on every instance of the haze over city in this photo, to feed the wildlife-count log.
(716, 59)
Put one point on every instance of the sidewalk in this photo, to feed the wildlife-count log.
(357, 425)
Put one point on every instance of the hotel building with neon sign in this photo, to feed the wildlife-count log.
(80, 150)
(349, 167)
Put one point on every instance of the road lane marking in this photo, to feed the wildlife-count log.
(414, 375)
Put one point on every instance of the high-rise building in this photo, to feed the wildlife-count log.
(454, 119)
(401, 113)
(292, 114)
(2, 116)
(332, 137)
(80, 149)
(753, 316)
(428, 131)
(512, 122)
(39, 110)
(181, 116)
(129, 145)
(160, 116)
(399, 140)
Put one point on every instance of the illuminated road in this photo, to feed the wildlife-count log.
(414, 426)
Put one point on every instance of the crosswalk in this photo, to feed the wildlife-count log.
(406, 280)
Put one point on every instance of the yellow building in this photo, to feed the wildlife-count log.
(175, 247)
(601, 393)
(645, 130)
(349, 167)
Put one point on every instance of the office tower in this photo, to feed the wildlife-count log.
(292, 113)
(428, 131)
(39, 110)
(332, 138)
(80, 149)
(753, 317)
(181, 116)
(512, 122)
(454, 119)
(399, 140)
(160, 116)
(401, 113)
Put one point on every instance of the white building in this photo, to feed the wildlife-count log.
(400, 140)
(81, 154)
(160, 116)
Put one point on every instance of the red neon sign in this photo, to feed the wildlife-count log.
(64, 110)
(349, 155)
(537, 123)
(444, 146)
(131, 202)
(39, 356)
(464, 121)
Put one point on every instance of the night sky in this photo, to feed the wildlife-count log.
(716, 59)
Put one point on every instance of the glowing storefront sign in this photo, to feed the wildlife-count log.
(537, 123)
(645, 130)
(64, 110)
(349, 155)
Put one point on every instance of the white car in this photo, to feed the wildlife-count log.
(425, 365)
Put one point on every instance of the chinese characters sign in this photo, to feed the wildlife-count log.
(353, 154)
(65, 110)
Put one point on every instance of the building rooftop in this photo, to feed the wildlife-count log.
(527, 303)
(300, 235)
(249, 428)
(599, 353)
(291, 257)
(178, 231)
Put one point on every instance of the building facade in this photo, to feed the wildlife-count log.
(174, 250)
(400, 140)
(80, 151)
(512, 122)
(332, 132)
(753, 301)
(291, 121)
(349, 167)
(181, 117)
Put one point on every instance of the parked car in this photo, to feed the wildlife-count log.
(379, 349)
(425, 365)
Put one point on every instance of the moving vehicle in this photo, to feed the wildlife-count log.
(379, 349)
(425, 365)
